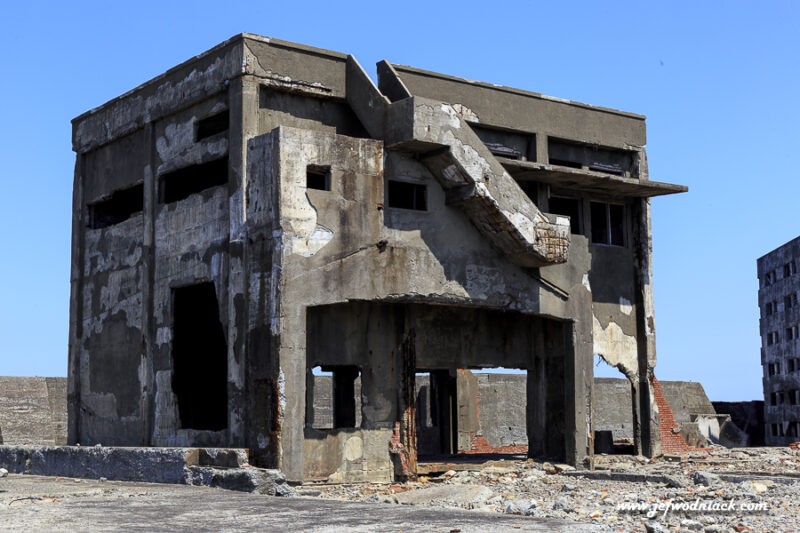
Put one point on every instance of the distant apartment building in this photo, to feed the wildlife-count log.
(778, 285)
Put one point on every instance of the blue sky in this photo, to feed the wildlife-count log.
(718, 81)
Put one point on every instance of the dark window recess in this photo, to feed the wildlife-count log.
(344, 396)
(333, 397)
(318, 177)
(570, 207)
(408, 195)
(212, 125)
(608, 223)
(200, 358)
(184, 182)
(121, 206)
(569, 154)
(507, 143)
(531, 189)
(503, 151)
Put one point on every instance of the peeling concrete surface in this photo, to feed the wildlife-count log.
(435, 225)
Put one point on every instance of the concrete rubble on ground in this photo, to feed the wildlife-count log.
(720, 477)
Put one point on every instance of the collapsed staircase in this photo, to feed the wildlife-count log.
(472, 178)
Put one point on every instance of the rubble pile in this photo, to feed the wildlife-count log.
(717, 490)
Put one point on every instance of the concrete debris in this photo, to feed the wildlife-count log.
(665, 489)
(704, 478)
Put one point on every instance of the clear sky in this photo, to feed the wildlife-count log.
(719, 82)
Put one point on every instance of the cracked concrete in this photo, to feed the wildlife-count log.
(452, 225)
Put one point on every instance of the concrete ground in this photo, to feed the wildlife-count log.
(35, 503)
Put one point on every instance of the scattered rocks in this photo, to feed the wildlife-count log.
(704, 478)
(637, 494)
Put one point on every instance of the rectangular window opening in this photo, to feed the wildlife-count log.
(334, 397)
(577, 155)
(122, 205)
(570, 207)
(608, 223)
(212, 125)
(182, 183)
(318, 177)
(200, 358)
(406, 195)
(512, 144)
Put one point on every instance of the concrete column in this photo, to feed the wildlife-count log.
(147, 372)
(243, 125)
(645, 328)
(76, 307)
(292, 356)
(257, 312)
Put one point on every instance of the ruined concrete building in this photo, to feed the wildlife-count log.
(778, 287)
(264, 210)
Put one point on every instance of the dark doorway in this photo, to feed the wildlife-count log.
(437, 412)
(200, 358)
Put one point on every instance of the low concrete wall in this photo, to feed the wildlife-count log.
(348, 455)
(155, 465)
(33, 410)
(612, 410)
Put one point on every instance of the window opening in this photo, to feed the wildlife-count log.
(405, 195)
(570, 207)
(184, 182)
(334, 401)
(200, 358)
(531, 189)
(608, 223)
(576, 155)
(212, 125)
(122, 205)
(318, 177)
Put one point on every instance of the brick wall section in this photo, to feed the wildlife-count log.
(670, 442)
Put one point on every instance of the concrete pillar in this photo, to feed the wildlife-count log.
(147, 370)
(293, 394)
(645, 328)
(243, 125)
(75, 307)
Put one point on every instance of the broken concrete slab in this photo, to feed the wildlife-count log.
(213, 467)
(446, 494)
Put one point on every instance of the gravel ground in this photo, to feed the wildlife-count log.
(747, 489)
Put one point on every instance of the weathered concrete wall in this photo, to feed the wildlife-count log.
(612, 404)
(687, 398)
(344, 274)
(33, 410)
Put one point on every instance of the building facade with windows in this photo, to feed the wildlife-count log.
(264, 213)
(778, 287)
